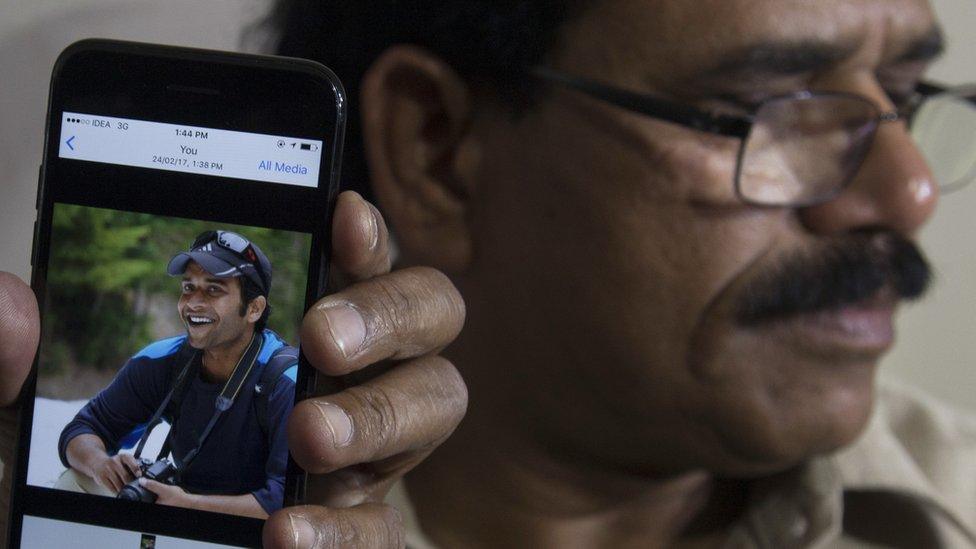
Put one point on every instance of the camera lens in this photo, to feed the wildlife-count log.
(134, 492)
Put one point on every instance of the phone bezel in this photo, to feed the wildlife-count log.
(231, 91)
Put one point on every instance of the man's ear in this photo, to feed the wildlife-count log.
(256, 308)
(416, 113)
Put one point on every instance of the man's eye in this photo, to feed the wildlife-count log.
(187, 288)
(214, 290)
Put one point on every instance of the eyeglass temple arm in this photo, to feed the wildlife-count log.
(732, 126)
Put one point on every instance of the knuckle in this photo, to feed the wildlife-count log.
(416, 301)
(397, 304)
(376, 415)
(369, 526)
(343, 532)
(394, 532)
(449, 386)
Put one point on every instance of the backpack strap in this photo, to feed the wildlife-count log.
(283, 358)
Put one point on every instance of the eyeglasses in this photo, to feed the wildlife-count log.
(235, 243)
(803, 148)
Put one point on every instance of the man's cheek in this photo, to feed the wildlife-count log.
(690, 167)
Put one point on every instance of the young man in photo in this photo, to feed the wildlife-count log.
(239, 466)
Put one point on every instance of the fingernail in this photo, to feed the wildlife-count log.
(347, 328)
(142, 481)
(338, 421)
(302, 532)
(372, 226)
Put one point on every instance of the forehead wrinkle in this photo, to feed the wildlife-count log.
(662, 45)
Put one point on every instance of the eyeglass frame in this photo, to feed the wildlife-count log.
(738, 126)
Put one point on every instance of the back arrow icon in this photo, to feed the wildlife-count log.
(68, 142)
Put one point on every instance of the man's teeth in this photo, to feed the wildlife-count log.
(200, 320)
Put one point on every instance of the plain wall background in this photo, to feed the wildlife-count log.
(936, 347)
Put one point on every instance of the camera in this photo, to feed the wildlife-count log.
(161, 471)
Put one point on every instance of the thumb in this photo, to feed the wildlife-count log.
(19, 333)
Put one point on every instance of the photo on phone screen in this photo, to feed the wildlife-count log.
(181, 235)
(105, 369)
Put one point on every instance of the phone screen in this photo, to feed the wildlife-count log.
(173, 263)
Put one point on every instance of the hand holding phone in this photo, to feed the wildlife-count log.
(360, 253)
(124, 189)
(19, 333)
(184, 196)
(358, 442)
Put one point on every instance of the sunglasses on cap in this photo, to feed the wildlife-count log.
(234, 243)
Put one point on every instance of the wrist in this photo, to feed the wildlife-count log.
(94, 464)
(191, 500)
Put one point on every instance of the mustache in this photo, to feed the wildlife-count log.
(848, 270)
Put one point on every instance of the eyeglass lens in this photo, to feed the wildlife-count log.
(944, 126)
(802, 150)
(233, 241)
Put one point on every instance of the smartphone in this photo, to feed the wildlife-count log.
(183, 229)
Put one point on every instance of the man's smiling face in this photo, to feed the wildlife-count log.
(709, 332)
(210, 308)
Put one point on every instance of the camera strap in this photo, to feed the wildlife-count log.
(227, 395)
(224, 401)
(157, 417)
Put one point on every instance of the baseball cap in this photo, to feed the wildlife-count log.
(225, 254)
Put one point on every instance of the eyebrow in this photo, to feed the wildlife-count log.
(776, 58)
(219, 281)
(782, 58)
(930, 46)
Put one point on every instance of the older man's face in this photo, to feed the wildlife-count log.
(613, 253)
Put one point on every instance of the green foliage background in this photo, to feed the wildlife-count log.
(107, 266)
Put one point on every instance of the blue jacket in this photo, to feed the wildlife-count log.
(237, 458)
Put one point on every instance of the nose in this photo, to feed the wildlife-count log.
(194, 300)
(894, 189)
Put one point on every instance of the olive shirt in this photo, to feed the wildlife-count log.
(909, 481)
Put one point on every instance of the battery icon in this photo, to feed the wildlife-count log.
(310, 147)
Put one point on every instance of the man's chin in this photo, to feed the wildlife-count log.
(196, 341)
(780, 432)
(777, 396)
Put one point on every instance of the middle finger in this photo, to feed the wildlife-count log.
(412, 407)
(404, 314)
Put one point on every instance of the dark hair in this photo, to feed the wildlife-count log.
(249, 292)
(490, 43)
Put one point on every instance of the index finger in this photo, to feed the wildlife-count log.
(19, 334)
(131, 464)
